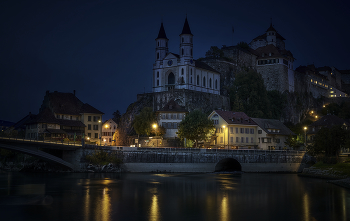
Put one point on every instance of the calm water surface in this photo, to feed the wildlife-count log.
(156, 197)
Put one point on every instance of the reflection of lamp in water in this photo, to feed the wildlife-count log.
(224, 209)
(154, 210)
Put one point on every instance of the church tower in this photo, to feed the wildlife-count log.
(271, 35)
(161, 44)
(186, 43)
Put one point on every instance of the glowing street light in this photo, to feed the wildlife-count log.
(155, 129)
(305, 128)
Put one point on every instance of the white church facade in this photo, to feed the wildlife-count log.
(181, 71)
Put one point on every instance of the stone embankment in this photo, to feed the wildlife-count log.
(329, 174)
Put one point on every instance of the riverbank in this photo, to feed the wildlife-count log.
(335, 174)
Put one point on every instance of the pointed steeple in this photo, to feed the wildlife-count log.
(271, 28)
(161, 33)
(186, 29)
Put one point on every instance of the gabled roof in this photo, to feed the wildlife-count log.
(235, 117)
(202, 65)
(266, 124)
(161, 33)
(186, 29)
(172, 106)
(173, 54)
(66, 103)
(21, 123)
(87, 108)
(271, 28)
(45, 116)
(276, 53)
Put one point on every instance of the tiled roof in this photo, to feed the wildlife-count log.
(204, 66)
(161, 33)
(235, 117)
(71, 123)
(45, 116)
(186, 29)
(87, 108)
(66, 103)
(263, 36)
(21, 123)
(275, 52)
(311, 70)
(172, 106)
(266, 124)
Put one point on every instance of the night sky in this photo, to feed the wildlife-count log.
(105, 49)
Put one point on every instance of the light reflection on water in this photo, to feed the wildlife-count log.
(157, 197)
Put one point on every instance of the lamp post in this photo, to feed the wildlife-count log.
(305, 128)
(224, 135)
(155, 129)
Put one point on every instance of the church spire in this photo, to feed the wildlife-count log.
(161, 33)
(186, 29)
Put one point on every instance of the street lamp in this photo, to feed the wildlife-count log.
(305, 128)
(155, 129)
(224, 135)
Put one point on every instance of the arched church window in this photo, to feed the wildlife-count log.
(203, 81)
(183, 39)
(216, 84)
(191, 80)
(157, 74)
(171, 78)
(191, 71)
(158, 43)
(157, 82)
(209, 82)
(182, 71)
(158, 55)
(197, 79)
(182, 80)
(182, 51)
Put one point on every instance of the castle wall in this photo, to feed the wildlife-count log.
(190, 99)
(275, 76)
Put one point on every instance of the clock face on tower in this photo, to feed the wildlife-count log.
(170, 62)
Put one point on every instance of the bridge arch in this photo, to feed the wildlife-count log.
(228, 164)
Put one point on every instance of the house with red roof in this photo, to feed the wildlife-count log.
(63, 115)
(236, 130)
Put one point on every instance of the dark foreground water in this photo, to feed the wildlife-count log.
(83, 196)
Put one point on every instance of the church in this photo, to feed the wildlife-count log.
(180, 71)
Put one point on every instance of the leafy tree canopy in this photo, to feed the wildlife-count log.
(116, 116)
(196, 127)
(248, 94)
(243, 45)
(214, 52)
(328, 141)
(144, 121)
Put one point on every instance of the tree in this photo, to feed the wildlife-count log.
(196, 126)
(249, 94)
(144, 121)
(243, 45)
(116, 117)
(214, 52)
(292, 141)
(328, 141)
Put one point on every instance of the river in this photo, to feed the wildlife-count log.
(156, 197)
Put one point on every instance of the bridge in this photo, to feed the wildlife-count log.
(32, 147)
(137, 159)
(211, 160)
